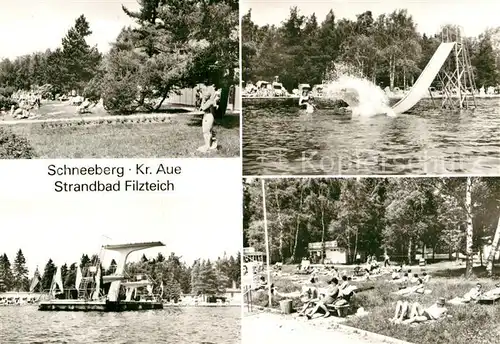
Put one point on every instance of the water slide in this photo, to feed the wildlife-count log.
(424, 81)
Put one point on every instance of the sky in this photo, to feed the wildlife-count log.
(63, 230)
(429, 15)
(27, 26)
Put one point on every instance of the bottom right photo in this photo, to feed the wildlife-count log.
(371, 260)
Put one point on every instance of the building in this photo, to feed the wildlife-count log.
(333, 253)
(251, 255)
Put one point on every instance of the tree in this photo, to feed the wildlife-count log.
(470, 230)
(84, 261)
(80, 61)
(48, 273)
(69, 278)
(20, 272)
(149, 61)
(64, 272)
(6, 276)
(196, 283)
(486, 70)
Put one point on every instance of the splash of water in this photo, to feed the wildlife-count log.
(364, 98)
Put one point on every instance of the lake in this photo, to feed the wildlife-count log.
(284, 140)
(25, 324)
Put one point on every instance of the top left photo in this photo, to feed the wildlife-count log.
(119, 79)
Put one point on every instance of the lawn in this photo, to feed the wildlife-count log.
(174, 137)
(472, 323)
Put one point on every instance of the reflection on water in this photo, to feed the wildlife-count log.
(280, 140)
(25, 324)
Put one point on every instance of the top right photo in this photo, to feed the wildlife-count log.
(371, 88)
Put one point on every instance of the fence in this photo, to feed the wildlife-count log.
(187, 97)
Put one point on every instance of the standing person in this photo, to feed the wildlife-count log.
(209, 105)
(386, 260)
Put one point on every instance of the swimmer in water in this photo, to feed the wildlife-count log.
(306, 100)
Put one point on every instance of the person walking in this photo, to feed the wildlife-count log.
(386, 260)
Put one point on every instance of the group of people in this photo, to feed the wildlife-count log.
(337, 294)
(407, 313)
(477, 293)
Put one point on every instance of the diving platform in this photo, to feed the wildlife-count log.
(90, 291)
(98, 306)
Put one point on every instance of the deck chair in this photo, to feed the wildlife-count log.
(488, 299)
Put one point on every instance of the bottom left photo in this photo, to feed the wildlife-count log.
(126, 271)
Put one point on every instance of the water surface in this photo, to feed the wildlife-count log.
(280, 140)
(25, 324)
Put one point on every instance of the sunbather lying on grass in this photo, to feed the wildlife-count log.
(418, 288)
(408, 314)
(471, 296)
(493, 292)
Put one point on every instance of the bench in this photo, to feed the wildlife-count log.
(341, 311)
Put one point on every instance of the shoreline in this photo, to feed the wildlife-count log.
(267, 327)
(199, 305)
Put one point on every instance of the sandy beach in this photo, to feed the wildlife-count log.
(263, 328)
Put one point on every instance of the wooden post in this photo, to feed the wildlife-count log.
(267, 244)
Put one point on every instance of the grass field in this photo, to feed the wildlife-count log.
(175, 137)
(471, 323)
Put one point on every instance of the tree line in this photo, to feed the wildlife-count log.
(374, 216)
(173, 44)
(388, 49)
(168, 274)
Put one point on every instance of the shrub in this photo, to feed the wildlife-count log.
(119, 96)
(93, 90)
(6, 103)
(14, 147)
(6, 91)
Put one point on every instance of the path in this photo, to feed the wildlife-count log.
(96, 118)
(267, 328)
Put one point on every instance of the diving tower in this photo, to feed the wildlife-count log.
(124, 250)
(89, 288)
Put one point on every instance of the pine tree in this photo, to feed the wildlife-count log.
(208, 278)
(6, 278)
(70, 279)
(172, 289)
(20, 272)
(84, 261)
(6, 273)
(80, 61)
(196, 283)
(48, 274)
(64, 272)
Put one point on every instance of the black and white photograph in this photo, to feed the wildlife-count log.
(119, 79)
(141, 270)
(370, 87)
(371, 260)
